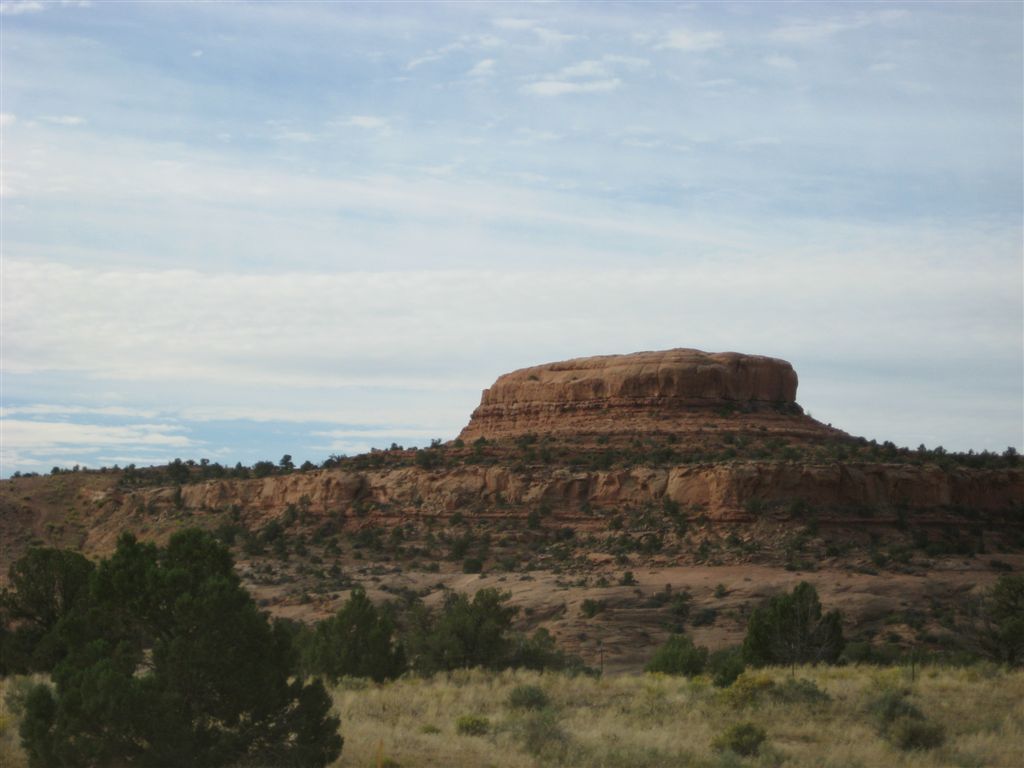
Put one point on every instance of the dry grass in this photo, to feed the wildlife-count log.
(649, 721)
(662, 721)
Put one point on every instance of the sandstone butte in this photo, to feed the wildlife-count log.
(717, 434)
(672, 391)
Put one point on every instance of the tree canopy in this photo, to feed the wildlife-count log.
(171, 663)
(790, 629)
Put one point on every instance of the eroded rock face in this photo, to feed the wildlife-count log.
(627, 393)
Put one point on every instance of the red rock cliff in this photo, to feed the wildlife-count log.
(660, 391)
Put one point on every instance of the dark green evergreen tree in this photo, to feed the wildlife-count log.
(171, 663)
(790, 629)
(44, 585)
(465, 633)
(358, 641)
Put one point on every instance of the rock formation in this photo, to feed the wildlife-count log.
(671, 391)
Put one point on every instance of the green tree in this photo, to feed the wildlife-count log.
(358, 641)
(171, 663)
(466, 633)
(44, 585)
(678, 656)
(997, 630)
(790, 629)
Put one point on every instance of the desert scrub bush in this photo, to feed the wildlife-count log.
(678, 656)
(544, 737)
(747, 689)
(472, 725)
(725, 666)
(903, 724)
(745, 739)
(590, 608)
(798, 691)
(908, 733)
(528, 697)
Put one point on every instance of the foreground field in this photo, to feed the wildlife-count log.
(638, 721)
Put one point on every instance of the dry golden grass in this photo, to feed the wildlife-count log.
(649, 721)
(652, 721)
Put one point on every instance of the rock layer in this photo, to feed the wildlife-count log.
(644, 391)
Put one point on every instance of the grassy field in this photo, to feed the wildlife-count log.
(647, 721)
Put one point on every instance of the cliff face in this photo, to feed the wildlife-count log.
(721, 492)
(669, 391)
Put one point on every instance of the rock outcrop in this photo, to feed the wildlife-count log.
(670, 391)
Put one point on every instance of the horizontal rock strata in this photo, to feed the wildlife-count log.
(668, 391)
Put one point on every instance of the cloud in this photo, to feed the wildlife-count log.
(368, 123)
(561, 87)
(6, 119)
(780, 62)
(69, 120)
(470, 42)
(589, 68)
(197, 53)
(18, 7)
(545, 35)
(816, 30)
(484, 68)
(40, 435)
(51, 409)
(510, 23)
(691, 41)
(552, 36)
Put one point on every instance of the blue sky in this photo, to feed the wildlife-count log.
(238, 230)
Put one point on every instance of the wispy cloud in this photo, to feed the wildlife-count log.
(18, 7)
(6, 119)
(690, 40)
(563, 87)
(779, 62)
(546, 35)
(803, 31)
(368, 123)
(484, 68)
(69, 120)
(52, 409)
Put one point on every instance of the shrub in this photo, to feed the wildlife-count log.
(747, 689)
(472, 565)
(472, 725)
(745, 739)
(544, 737)
(628, 579)
(891, 705)
(704, 617)
(910, 733)
(590, 608)
(903, 724)
(725, 666)
(799, 691)
(528, 697)
(678, 656)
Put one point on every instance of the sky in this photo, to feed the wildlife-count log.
(238, 230)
